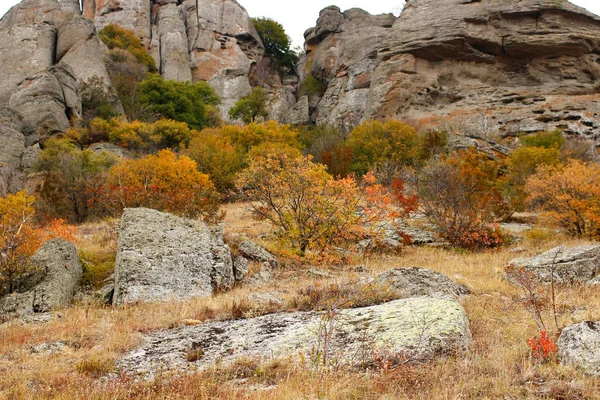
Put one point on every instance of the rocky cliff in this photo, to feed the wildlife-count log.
(512, 66)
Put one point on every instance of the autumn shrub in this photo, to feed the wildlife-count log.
(312, 210)
(252, 107)
(20, 238)
(72, 178)
(543, 348)
(126, 72)
(374, 142)
(97, 100)
(461, 197)
(163, 182)
(569, 196)
(141, 137)
(327, 145)
(116, 37)
(545, 139)
(192, 103)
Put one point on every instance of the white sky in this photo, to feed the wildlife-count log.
(304, 13)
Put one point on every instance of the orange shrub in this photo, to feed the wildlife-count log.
(311, 209)
(461, 197)
(569, 195)
(20, 238)
(164, 182)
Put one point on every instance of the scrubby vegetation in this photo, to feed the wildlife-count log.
(312, 195)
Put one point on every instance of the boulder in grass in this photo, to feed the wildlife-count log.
(414, 282)
(579, 346)
(569, 265)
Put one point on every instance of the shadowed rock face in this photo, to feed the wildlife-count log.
(513, 66)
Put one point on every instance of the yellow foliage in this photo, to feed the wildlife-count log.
(569, 195)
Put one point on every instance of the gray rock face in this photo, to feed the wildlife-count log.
(174, 57)
(408, 330)
(416, 282)
(579, 346)
(46, 103)
(575, 264)
(162, 257)
(343, 54)
(11, 137)
(53, 285)
(488, 64)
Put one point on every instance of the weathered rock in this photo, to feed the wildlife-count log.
(575, 264)
(11, 137)
(47, 101)
(240, 268)
(163, 257)
(134, 15)
(173, 44)
(480, 66)
(254, 252)
(415, 282)
(52, 285)
(407, 330)
(299, 114)
(579, 346)
(345, 56)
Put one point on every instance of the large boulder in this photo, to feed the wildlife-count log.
(575, 264)
(579, 346)
(52, 285)
(163, 257)
(416, 282)
(405, 330)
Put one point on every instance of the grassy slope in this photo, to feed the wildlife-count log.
(498, 365)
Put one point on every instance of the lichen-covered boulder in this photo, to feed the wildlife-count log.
(579, 346)
(405, 330)
(575, 264)
(415, 282)
(163, 257)
(53, 285)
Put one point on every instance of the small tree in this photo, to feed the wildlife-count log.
(311, 209)
(164, 182)
(20, 239)
(569, 195)
(192, 103)
(277, 44)
(251, 107)
(116, 37)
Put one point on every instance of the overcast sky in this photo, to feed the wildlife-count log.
(303, 14)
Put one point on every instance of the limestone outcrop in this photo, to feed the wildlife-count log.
(575, 264)
(52, 285)
(405, 330)
(579, 346)
(163, 257)
(486, 65)
(414, 282)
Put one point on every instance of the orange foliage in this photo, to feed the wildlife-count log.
(164, 182)
(314, 211)
(20, 238)
(569, 195)
(543, 348)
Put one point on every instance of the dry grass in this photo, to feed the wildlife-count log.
(497, 366)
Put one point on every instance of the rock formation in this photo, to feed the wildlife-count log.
(208, 40)
(579, 346)
(569, 265)
(405, 330)
(162, 257)
(415, 282)
(52, 285)
(487, 64)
